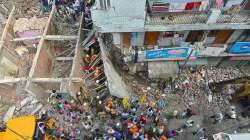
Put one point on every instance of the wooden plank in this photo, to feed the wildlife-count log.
(10, 80)
(151, 38)
(240, 58)
(64, 58)
(126, 39)
(223, 36)
(26, 38)
(60, 37)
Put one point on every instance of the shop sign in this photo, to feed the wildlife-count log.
(169, 54)
(240, 47)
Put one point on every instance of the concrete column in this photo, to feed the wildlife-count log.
(214, 15)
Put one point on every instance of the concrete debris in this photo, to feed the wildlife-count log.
(26, 24)
(38, 108)
(25, 7)
(24, 102)
(21, 50)
(67, 115)
(192, 83)
(223, 74)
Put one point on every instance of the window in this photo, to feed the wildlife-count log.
(159, 7)
(104, 4)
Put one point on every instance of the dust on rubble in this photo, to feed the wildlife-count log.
(25, 7)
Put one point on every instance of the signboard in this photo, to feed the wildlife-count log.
(169, 54)
(240, 48)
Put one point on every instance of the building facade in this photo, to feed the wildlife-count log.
(177, 32)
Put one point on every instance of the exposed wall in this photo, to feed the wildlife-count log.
(77, 61)
(47, 86)
(9, 58)
(51, 29)
(40, 66)
(7, 91)
(43, 66)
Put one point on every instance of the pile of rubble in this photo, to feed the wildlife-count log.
(34, 23)
(191, 88)
(192, 85)
(25, 7)
(223, 74)
(28, 106)
(67, 114)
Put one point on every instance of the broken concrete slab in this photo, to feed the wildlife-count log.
(37, 109)
(24, 102)
(117, 86)
(9, 113)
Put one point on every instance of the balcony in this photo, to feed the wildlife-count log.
(196, 17)
(187, 17)
(213, 19)
(239, 17)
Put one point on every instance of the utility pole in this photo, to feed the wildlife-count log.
(186, 60)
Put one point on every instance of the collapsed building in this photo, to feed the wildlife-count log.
(38, 54)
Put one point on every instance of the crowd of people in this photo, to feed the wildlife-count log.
(134, 118)
(124, 119)
(140, 120)
(75, 5)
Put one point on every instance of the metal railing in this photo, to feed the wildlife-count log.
(196, 17)
(213, 45)
(229, 16)
(186, 17)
